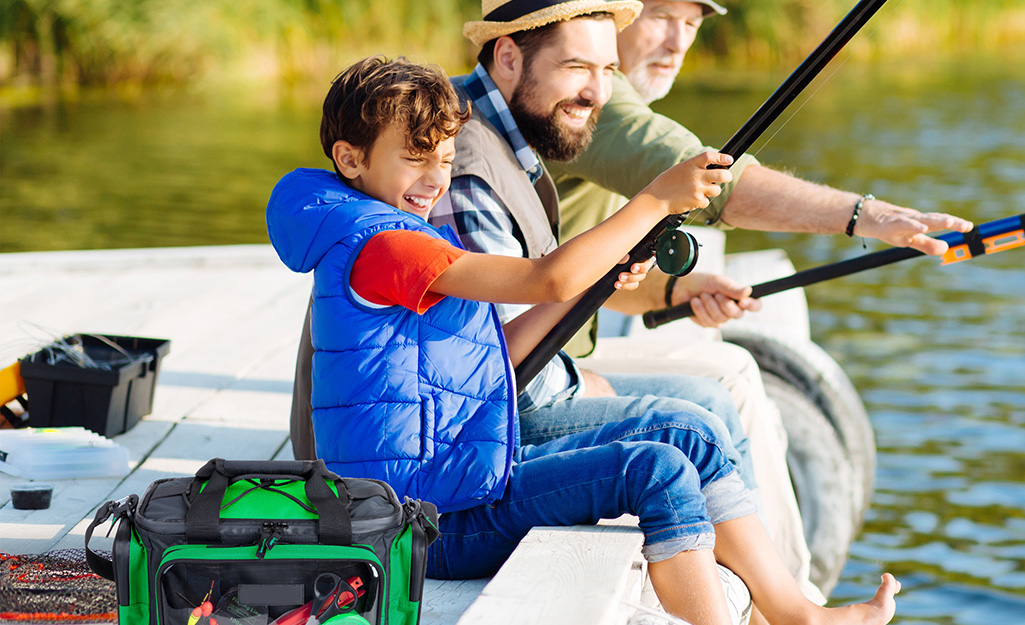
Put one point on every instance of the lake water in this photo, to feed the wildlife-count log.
(938, 353)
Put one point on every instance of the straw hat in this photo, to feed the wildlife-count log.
(504, 17)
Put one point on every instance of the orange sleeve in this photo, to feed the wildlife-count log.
(398, 267)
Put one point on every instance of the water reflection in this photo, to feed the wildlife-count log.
(158, 172)
(938, 353)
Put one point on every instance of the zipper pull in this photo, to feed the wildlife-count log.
(270, 534)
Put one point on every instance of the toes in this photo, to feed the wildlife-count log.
(889, 585)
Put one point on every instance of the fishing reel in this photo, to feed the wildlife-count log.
(676, 251)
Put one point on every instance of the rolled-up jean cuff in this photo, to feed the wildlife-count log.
(727, 498)
(656, 552)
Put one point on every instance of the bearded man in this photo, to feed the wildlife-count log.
(537, 91)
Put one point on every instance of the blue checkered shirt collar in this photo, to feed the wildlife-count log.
(489, 101)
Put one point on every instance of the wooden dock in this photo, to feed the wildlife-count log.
(233, 315)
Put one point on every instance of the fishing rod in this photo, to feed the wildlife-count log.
(766, 114)
(988, 238)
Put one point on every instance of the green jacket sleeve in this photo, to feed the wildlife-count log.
(633, 144)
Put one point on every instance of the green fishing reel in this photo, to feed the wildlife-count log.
(676, 252)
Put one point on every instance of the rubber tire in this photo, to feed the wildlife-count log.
(813, 372)
(823, 479)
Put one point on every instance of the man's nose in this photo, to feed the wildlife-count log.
(599, 88)
(675, 37)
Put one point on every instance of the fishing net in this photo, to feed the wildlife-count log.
(54, 587)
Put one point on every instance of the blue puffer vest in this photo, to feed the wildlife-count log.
(423, 402)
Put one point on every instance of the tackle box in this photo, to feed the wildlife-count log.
(101, 382)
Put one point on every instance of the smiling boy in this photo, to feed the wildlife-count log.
(413, 373)
(410, 182)
(380, 271)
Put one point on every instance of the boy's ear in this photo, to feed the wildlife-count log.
(348, 158)
(508, 60)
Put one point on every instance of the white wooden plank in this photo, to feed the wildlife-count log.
(446, 600)
(71, 500)
(561, 576)
(184, 449)
(72, 497)
(225, 324)
(97, 260)
(285, 453)
(139, 441)
(238, 308)
(249, 402)
(263, 396)
(80, 302)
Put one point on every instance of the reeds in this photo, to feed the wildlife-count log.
(771, 33)
(113, 42)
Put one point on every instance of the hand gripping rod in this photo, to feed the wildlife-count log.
(988, 238)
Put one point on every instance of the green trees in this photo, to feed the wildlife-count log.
(113, 42)
(110, 41)
(96, 42)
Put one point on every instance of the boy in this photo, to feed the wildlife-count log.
(412, 378)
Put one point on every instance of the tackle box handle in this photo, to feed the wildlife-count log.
(202, 522)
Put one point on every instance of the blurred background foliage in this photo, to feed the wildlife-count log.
(125, 43)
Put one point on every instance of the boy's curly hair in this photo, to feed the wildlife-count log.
(375, 92)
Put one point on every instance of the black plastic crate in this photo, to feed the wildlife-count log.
(108, 399)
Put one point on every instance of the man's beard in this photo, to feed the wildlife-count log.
(649, 87)
(548, 135)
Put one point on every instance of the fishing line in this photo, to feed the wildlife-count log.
(56, 348)
(692, 217)
(850, 54)
(36, 337)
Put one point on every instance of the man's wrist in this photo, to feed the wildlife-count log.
(856, 214)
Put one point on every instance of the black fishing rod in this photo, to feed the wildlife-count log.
(595, 297)
(988, 238)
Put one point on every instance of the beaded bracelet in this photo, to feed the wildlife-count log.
(857, 209)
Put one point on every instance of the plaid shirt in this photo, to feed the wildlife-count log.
(484, 224)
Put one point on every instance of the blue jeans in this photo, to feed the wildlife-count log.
(667, 468)
(638, 394)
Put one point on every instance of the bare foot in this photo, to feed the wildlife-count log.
(876, 611)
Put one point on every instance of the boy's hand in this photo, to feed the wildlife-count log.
(715, 299)
(630, 280)
(690, 185)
